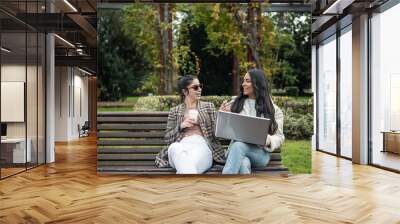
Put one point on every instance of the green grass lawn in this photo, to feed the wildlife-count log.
(114, 109)
(132, 99)
(296, 156)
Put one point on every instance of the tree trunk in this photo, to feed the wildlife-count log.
(253, 45)
(259, 26)
(250, 22)
(166, 65)
(250, 30)
(162, 55)
(235, 76)
(169, 62)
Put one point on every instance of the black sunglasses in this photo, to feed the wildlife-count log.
(196, 87)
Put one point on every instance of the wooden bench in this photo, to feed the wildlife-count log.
(127, 143)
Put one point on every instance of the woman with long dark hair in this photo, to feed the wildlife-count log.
(254, 100)
(190, 135)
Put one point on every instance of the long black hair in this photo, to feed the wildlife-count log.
(264, 105)
(183, 83)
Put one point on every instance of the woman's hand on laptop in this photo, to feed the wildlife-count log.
(268, 141)
(225, 106)
(187, 123)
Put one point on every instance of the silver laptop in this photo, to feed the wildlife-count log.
(242, 127)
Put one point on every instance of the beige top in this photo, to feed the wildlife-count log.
(274, 141)
(195, 130)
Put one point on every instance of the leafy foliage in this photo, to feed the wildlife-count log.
(229, 33)
(207, 39)
(122, 61)
(214, 71)
(292, 90)
(294, 50)
(298, 120)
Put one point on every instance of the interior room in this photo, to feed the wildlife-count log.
(63, 160)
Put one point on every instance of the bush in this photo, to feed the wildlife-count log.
(278, 92)
(300, 106)
(298, 126)
(292, 91)
(115, 104)
(165, 103)
(298, 121)
(148, 103)
(308, 92)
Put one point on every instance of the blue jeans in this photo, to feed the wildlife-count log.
(242, 156)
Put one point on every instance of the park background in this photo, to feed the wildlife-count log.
(144, 48)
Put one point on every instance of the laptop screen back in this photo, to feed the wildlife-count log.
(243, 128)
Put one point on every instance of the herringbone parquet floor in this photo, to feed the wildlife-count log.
(70, 191)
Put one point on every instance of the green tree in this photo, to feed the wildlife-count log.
(294, 50)
(122, 62)
(150, 25)
(240, 30)
(229, 30)
(214, 71)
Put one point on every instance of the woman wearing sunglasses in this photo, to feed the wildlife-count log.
(190, 137)
(254, 100)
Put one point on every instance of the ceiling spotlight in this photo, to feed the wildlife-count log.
(84, 71)
(65, 41)
(338, 6)
(5, 50)
(70, 5)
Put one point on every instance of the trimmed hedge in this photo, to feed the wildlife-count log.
(165, 103)
(298, 121)
(298, 126)
(292, 91)
(278, 92)
(107, 104)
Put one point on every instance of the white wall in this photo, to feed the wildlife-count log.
(33, 126)
(80, 110)
(62, 81)
(71, 94)
(13, 73)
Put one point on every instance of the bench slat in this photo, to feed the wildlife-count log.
(154, 170)
(152, 150)
(132, 114)
(103, 149)
(130, 142)
(124, 156)
(131, 126)
(151, 163)
(132, 119)
(125, 134)
(125, 163)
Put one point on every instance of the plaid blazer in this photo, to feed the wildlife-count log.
(173, 133)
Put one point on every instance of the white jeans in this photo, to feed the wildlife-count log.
(191, 155)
